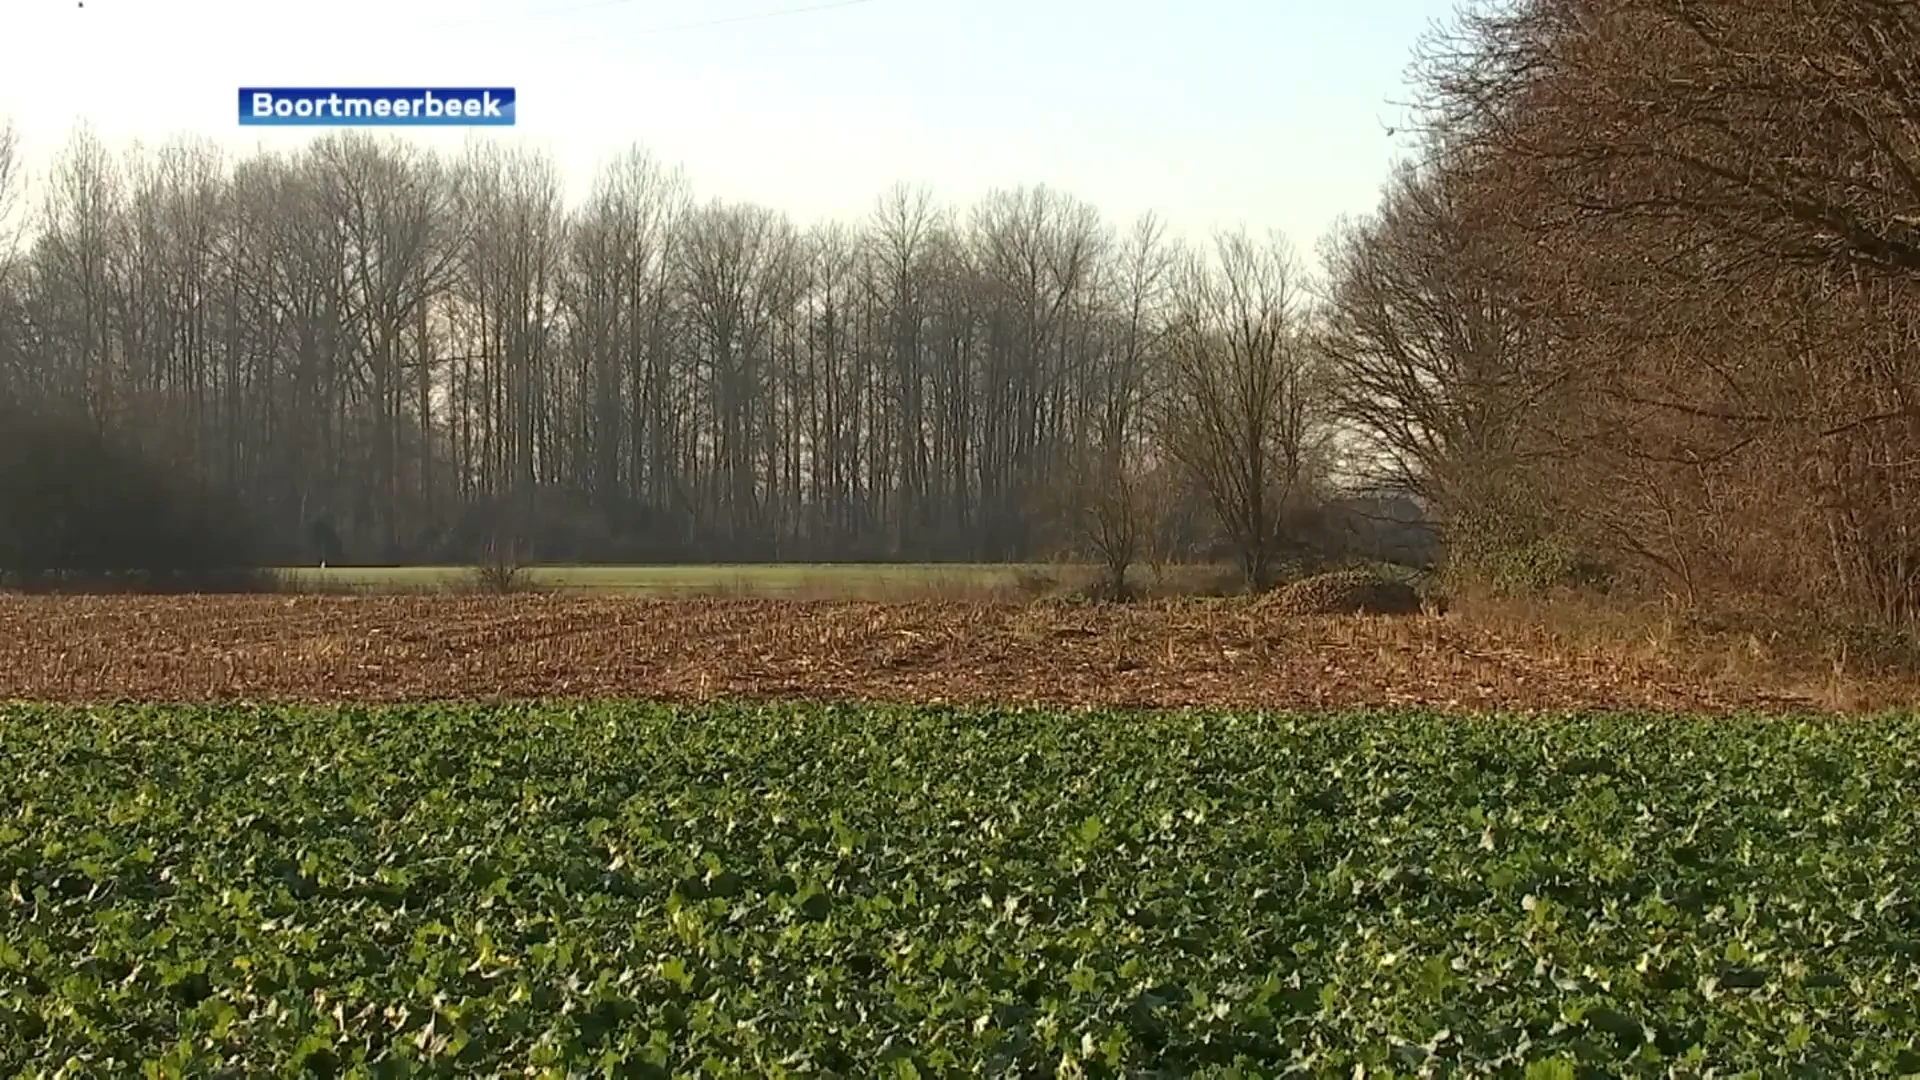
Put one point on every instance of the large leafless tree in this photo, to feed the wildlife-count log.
(1239, 412)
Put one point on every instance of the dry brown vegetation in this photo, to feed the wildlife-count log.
(1174, 653)
(1648, 302)
(1352, 592)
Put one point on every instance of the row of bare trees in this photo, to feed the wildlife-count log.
(1643, 307)
(1648, 299)
(389, 354)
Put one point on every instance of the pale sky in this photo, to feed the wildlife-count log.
(1215, 113)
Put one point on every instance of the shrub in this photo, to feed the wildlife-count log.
(501, 570)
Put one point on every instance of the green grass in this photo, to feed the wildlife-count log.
(746, 891)
(853, 580)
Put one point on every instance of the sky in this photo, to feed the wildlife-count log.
(1257, 114)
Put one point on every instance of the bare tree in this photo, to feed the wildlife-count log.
(1434, 373)
(1110, 497)
(1036, 257)
(905, 224)
(397, 208)
(12, 184)
(12, 225)
(507, 295)
(77, 257)
(1238, 414)
(1124, 510)
(616, 295)
(1424, 354)
(736, 273)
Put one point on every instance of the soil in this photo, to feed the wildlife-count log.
(1178, 653)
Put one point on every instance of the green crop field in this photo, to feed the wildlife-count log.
(768, 891)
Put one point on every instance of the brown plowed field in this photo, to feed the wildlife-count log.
(401, 648)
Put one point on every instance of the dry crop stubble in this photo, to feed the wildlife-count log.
(1170, 653)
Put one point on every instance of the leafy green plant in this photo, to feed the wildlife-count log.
(761, 891)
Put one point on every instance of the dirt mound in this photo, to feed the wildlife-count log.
(1348, 592)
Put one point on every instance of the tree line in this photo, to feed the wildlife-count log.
(1639, 311)
(387, 354)
(1647, 301)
